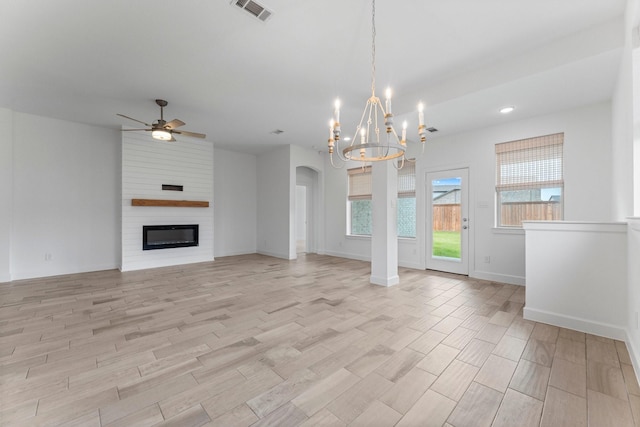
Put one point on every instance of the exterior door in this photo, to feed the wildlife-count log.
(448, 221)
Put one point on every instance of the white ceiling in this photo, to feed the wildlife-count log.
(237, 79)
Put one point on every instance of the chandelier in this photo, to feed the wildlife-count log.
(367, 144)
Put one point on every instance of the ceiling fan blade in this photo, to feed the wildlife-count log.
(175, 123)
(130, 130)
(187, 133)
(131, 118)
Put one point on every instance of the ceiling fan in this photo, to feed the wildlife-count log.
(162, 129)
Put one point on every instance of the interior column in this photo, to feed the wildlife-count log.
(384, 236)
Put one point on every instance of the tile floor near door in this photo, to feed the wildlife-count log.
(254, 340)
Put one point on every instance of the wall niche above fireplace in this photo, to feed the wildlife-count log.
(169, 236)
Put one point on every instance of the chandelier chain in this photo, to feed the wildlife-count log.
(373, 47)
(370, 148)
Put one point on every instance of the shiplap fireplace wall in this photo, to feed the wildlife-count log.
(147, 164)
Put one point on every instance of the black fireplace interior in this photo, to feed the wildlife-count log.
(169, 236)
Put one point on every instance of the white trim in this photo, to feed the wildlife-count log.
(508, 230)
(348, 256)
(496, 277)
(634, 354)
(384, 281)
(576, 323)
(412, 265)
(581, 226)
(275, 254)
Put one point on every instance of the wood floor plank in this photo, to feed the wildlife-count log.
(606, 379)
(431, 410)
(357, 398)
(496, 373)
(518, 409)
(376, 414)
(252, 339)
(408, 390)
(438, 359)
(531, 379)
(318, 396)
(453, 382)
(282, 393)
(607, 411)
(240, 416)
(568, 376)
(564, 409)
(477, 407)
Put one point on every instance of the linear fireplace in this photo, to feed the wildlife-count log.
(169, 236)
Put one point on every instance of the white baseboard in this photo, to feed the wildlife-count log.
(577, 324)
(135, 266)
(348, 256)
(634, 354)
(274, 254)
(236, 253)
(384, 281)
(495, 277)
(413, 265)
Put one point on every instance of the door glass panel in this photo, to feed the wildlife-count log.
(446, 216)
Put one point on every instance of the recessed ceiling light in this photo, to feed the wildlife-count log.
(347, 138)
(507, 110)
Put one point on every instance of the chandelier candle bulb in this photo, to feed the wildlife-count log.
(371, 147)
(388, 100)
(404, 132)
(421, 114)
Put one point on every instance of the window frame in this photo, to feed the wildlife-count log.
(362, 189)
(542, 159)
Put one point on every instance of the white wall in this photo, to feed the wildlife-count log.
(6, 192)
(66, 192)
(146, 165)
(274, 203)
(587, 149)
(235, 207)
(307, 167)
(301, 212)
(577, 276)
(633, 290)
(622, 192)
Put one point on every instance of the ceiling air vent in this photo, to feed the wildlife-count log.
(255, 9)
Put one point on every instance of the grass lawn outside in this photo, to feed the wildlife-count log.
(446, 244)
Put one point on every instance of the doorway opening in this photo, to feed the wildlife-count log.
(447, 221)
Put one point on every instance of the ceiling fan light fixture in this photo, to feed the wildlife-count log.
(161, 134)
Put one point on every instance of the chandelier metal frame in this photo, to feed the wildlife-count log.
(370, 147)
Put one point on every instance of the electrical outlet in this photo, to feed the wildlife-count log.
(487, 259)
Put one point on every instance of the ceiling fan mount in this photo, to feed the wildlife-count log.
(161, 129)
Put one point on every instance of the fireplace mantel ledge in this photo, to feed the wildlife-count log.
(170, 203)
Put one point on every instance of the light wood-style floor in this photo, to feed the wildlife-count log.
(254, 340)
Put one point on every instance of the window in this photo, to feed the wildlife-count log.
(407, 200)
(360, 207)
(529, 180)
